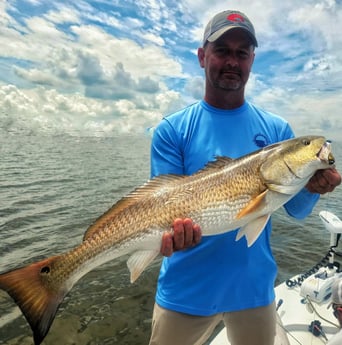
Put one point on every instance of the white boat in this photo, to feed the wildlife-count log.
(303, 302)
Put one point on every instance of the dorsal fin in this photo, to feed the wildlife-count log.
(147, 189)
(219, 163)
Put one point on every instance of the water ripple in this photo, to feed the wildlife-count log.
(53, 188)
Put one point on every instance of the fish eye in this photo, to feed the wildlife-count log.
(45, 270)
(306, 142)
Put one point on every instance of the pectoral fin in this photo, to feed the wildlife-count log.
(139, 261)
(253, 229)
(252, 205)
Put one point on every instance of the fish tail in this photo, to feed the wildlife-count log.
(32, 290)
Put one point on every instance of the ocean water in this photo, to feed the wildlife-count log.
(53, 187)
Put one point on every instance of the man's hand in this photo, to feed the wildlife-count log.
(324, 181)
(185, 234)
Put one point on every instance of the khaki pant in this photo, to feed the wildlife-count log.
(248, 327)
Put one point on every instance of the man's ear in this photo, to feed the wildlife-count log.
(201, 56)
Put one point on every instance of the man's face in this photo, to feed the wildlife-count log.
(228, 61)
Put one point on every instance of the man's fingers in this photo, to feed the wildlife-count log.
(197, 234)
(167, 244)
(324, 181)
(178, 234)
(188, 233)
(185, 234)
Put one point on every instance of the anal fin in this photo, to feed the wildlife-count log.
(139, 261)
(253, 229)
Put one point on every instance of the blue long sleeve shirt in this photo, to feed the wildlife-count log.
(219, 274)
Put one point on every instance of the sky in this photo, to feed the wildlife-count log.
(109, 67)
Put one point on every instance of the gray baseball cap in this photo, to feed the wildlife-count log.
(227, 20)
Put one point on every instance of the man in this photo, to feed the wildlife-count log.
(336, 299)
(219, 278)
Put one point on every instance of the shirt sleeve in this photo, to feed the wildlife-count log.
(302, 204)
(166, 152)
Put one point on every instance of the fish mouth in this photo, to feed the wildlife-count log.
(324, 154)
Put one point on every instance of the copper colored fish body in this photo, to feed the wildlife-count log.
(225, 196)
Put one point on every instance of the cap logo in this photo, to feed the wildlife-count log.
(236, 17)
(226, 20)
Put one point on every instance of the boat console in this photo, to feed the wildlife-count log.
(318, 286)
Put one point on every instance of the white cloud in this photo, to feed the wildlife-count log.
(88, 66)
(41, 109)
(308, 113)
(64, 15)
(153, 38)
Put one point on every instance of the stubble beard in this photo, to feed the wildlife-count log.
(228, 85)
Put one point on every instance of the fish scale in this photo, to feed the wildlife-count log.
(225, 196)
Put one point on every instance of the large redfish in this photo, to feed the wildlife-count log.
(226, 195)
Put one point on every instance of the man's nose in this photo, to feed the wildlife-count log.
(232, 60)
